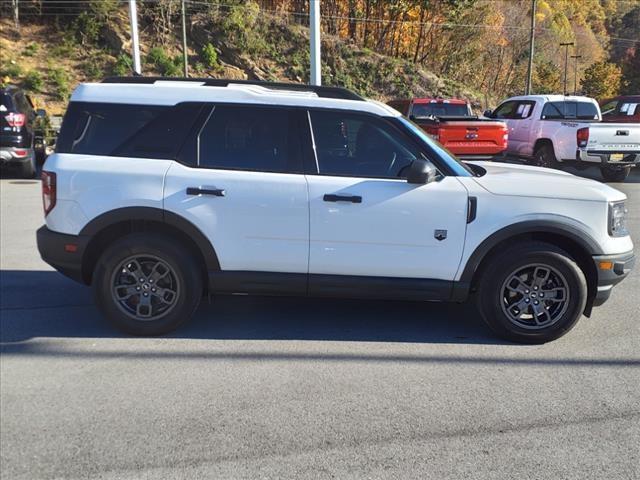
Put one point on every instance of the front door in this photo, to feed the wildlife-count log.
(366, 220)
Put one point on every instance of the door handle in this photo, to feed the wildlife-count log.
(216, 192)
(330, 197)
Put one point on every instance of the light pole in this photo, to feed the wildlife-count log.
(135, 45)
(532, 36)
(314, 26)
(575, 74)
(566, 62)
(185, 60)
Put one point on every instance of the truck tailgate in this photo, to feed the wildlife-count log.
(466, 137)
(614, 137)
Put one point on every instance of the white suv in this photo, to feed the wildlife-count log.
(163, 190)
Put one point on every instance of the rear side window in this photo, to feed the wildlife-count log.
(238, 137)
(146, 131)
(569, 111)
(6, 103)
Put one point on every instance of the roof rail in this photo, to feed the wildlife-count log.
(321, 91)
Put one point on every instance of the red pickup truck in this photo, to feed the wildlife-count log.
(623, 109)
(452, 123)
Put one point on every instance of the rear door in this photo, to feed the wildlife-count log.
(241, 183)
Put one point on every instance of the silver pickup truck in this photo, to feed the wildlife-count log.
(552, 129)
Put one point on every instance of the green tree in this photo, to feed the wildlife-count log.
(547, 78)
(631, 74)
(602, 80)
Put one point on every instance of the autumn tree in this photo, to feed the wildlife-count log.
(547, 78)
(602, 80)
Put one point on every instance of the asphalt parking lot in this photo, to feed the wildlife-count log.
(305, 388)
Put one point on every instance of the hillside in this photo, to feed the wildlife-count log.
(49, 60)
(474, 49)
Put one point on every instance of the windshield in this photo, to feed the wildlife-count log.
(445, 155)
(439, 110)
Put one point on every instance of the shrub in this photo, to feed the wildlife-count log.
(123, 65)
(33, 81)
(31, 49)
(60, 80)
(10, 69)
(167, 66)
(210, 57)
(92, 68)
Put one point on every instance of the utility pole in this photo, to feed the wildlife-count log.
(532, 37)
(566, 62)
(16, 14)
(185, 60)
(575, 74)
(314, 26)
(135, 45)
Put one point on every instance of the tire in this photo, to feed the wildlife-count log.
(28, 170)
(149, 257)
(615, 175)
(545, 157)
(500, 304)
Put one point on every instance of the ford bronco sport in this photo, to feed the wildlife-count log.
(163, 190)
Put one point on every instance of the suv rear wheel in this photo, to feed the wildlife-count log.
(147, 285)
(532, 293)
(28, 169)
(613, 174)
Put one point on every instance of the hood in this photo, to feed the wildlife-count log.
(528, 181)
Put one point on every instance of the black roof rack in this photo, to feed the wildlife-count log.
(321, 91)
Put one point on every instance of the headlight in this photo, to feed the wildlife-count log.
(618, 219)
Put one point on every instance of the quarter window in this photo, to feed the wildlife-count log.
(357, 145)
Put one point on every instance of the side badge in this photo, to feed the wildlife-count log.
(440, 235)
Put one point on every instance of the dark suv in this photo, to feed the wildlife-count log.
(22, 131)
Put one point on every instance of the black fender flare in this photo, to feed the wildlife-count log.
(585, 241)
(155, 215)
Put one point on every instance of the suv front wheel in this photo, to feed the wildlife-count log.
(147, 285)
(532, 293)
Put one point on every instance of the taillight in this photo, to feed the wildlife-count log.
(48, 191)
(21, 153)
(434, 132)
(582, 136)
(15, 119)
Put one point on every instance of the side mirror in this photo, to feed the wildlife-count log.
(421, 172)
(487, 113)
(41, 112)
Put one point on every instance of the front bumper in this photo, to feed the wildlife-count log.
(63, 252)
(604, 158)
(612, 269)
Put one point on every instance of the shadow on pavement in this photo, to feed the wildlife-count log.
(46, 304)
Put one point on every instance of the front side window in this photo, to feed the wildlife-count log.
(349, 144)
(239, 137)
(506, 110)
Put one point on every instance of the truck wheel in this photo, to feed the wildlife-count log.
(532, 293)
(28, 170)
(545, 157)
(146, 285)
(615, 174)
